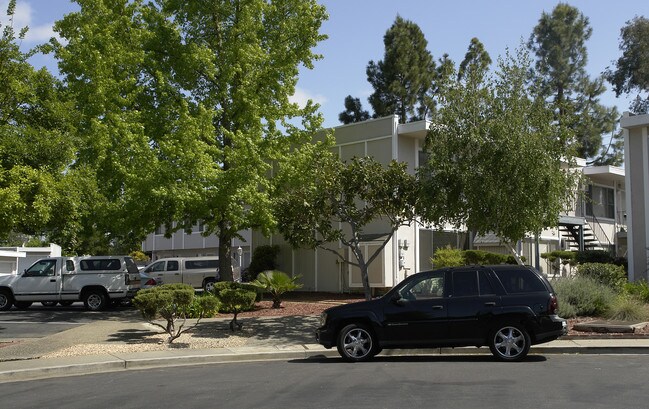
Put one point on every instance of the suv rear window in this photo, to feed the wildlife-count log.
(520, 281)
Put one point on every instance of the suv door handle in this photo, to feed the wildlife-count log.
(438, 307)
(52, 280)
(490, 304)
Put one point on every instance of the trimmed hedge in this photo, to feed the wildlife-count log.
(608, 274)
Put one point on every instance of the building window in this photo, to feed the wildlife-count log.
(159, 231)
(600, 202)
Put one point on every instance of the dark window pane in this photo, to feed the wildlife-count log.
(520, 281)
(465, 283)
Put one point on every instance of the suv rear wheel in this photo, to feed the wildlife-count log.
(356, 343)
(509, 342)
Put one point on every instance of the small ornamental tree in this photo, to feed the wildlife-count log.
(172, 303)
(276, 283)
(235, 297)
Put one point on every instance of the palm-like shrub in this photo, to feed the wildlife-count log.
(276, 283)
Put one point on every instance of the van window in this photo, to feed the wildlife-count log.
(69, 265)
(196, 264)
(172, 265)
(520, 281)
(100, 264)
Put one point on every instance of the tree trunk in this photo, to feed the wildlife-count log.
(225, 254)
(366, 281)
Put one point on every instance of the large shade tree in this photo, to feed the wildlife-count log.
(405, 75)
(559, 43)
(40, 195)
(495, 156)
(631, 71)
(338, 206)
(185, 104)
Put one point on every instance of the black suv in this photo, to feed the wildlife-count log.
(507, 307)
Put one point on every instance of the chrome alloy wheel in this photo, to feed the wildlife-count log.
(357, 343)
(509, 342)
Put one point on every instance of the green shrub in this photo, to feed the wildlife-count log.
(587, 296)
(235, 298)
(276, 283)
(627, 308)
(263, 258)
(594, 256)
(607, 274)
(567, 310)
(638, 289)
(447, 257)
(204, 305)
(171, 302)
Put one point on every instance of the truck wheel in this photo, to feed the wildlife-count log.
(95, 300)
(23, 305)
(6, 300)
(208, 285)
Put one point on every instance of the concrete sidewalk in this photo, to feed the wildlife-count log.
(276, 338)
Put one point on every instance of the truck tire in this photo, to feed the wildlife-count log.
(6, 300)
(23, 305)
(95, 300)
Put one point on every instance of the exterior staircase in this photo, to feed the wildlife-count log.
(578, 234)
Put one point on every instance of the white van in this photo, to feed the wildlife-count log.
(199, 272)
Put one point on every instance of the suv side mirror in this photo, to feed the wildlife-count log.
(397, 299)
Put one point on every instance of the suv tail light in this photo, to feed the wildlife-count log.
(553, 304)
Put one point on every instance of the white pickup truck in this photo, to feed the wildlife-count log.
(95, 280)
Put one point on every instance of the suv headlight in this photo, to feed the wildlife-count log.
(323, 319)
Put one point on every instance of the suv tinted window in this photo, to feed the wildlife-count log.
(485, 285)
(465, 283)
(520, 281)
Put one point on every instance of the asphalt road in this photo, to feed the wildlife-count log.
(554, 381)
(39, 321)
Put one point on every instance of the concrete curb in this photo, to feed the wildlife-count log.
(13, 371)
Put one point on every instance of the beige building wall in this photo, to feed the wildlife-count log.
(636, 158)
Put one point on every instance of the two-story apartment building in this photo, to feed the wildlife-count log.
(598, 221)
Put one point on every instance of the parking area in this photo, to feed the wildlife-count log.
(39, 321)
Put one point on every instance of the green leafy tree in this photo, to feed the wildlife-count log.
(559, 43)
(172, 302)
(37, 146)
(631, 70)
(326, 201)
(495, 157)
(277, 283)
(184, 105)
(353, 111)
(404, 76)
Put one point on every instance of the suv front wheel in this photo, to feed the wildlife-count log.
(509, 342)
(356, 343)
